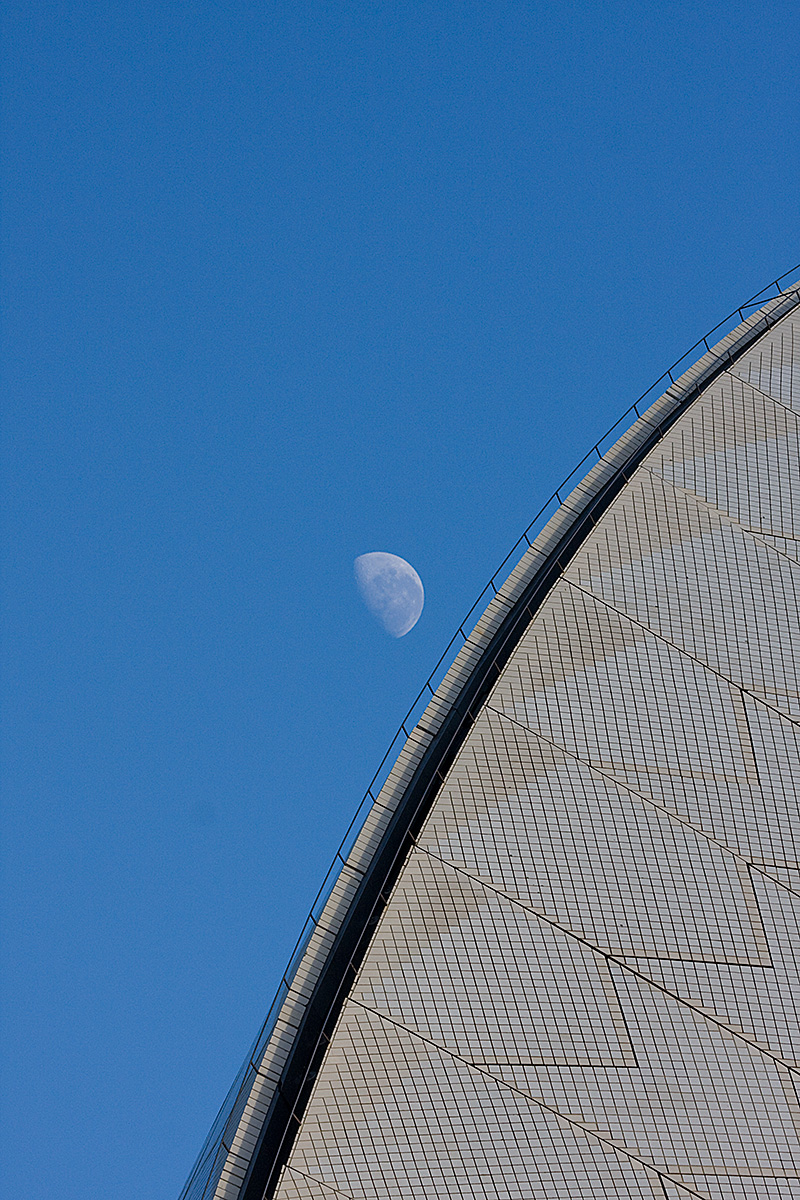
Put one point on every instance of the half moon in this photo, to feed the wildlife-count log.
(391, 589)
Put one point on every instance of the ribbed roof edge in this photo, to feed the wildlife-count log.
(281, 1075)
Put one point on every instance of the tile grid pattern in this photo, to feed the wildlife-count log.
(586, 980)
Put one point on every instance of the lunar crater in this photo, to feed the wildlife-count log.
(391, 589)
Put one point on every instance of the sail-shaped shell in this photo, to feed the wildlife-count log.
(561, 960)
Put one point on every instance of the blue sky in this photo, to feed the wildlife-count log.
(286, 283)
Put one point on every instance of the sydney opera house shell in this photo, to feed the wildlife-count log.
(559, 958)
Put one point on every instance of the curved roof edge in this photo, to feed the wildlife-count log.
(270, 1093)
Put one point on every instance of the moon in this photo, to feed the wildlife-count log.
(391, 589)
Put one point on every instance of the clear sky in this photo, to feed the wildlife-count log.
(287, 282)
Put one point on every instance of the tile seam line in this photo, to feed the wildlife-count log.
(316, 1179)
(585, 1130)
(618, 962)
(767, 395)
(647, 800)
(776, 533)
(703, 503)
(680, 649)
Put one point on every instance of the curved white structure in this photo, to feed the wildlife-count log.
(561, 960)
